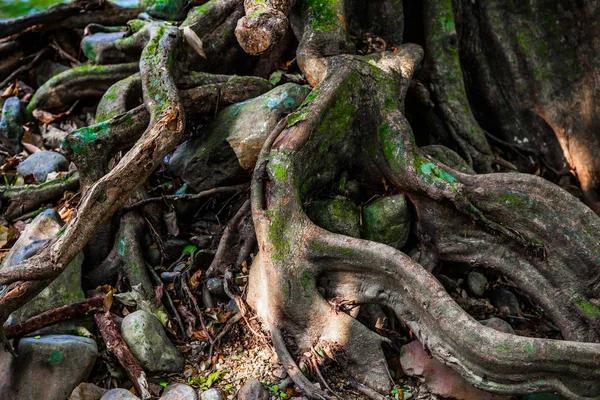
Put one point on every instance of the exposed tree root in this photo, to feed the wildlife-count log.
(296, 256)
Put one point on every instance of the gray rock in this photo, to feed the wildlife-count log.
(212, 394)
(119, 394)
(387, 221)
(47, 368)
(65, 289)
(336, 215)
(100, 48)
(498, 324)
(228, 150)
(11, 130)
(506, 302)
(41, 163)
(253, 390)
(179, 391)
(476, 283)
(149, 343)
(216, 286)
(87, 391)
(448, 157)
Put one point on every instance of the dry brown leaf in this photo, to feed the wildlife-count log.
(4, 235)
(44, 116)
(195, 280)
(201, 335)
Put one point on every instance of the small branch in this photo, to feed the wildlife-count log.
(54, 316)
(194, 196)
(39, 56)
(117, 347)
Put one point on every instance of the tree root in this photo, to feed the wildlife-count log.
(117, 347)
(22, 199)
(54, 316)
(296, 256)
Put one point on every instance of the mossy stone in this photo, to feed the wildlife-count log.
(387, 220)
(337, 215)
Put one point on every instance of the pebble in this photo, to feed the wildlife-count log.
(476, 283)
(212, 394)
(253, 390)
(179, 391)
(506, 302)
(119, 394)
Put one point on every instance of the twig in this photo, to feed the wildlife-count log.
(41, 54)
(117, 347)
(194, 196)
(367, 391)
(54, 316)
(195, 307)
(168, 300)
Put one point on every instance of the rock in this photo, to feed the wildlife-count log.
(253, 390)
(47, 368)
(336, 215)
(437, 377)
(498, 324)
(87, 391)
(228, 150)
(215, 286)
(149, 343)
(506, 302)
(41, 163)
(11, 130)
(179, 391)
(476, 283)
(448, 157)
(65, 289)
(449, 284)
(212, 394)
(100, 48)
(387, 221)
(167, 10)
(153, 256)
(279, 373)
(46, 70)
(119, 394)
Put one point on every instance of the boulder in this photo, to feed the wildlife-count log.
(149, 343)
(47, 368)
(65, 289)
(387, 221)
(227, 151)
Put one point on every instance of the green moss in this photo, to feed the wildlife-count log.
(55, 357)
(586, 306)
(279, 171)
(302, 112)
(322, 15)
(530, 349)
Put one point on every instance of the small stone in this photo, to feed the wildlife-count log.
(439, 378)
(149, 343)
(336, 215)
(215, 286)
(449, 284)
(41, 163)
(506, 302)
(11, 130)
(119, 394)
(87, 391)
(476, 283)
(212, 394)
(61, 362)
(498, 324)
(179, 391)
(253, 390)
(279, 373)
(387, 220)
(153, 256)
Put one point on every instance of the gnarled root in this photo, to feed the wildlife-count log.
(352, 121)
